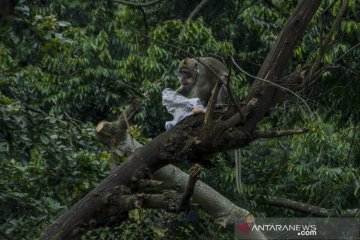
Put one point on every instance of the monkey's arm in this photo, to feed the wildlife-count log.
(183, 91)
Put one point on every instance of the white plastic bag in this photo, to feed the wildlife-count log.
(179, 106)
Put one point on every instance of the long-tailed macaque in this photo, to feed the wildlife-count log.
(197, 81)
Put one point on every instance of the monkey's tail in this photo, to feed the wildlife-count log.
(239, 186)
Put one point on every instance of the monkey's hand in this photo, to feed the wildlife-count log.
(198, 110)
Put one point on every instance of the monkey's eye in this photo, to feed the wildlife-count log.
(183, 73)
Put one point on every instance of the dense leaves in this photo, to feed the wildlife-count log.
(65, 65)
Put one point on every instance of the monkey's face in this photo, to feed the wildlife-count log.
(187, 72)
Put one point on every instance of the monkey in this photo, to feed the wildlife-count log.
(197, 81)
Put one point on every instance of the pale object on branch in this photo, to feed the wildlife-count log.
(179, 106)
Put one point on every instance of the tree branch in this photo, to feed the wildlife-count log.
(134, 4)
(305, 207)
(185, 200)
(196, 10)
(279, 133)
(316, 65)
(211, 105)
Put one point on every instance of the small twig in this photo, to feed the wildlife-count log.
(145, 23)
(240, 11)
(342, 56)
(196, 10)
(212, 102)
(73, 120)
(57, 118)
(329, 6)
(193, 177)
(279, 133)
(133, 4)
(35, 109)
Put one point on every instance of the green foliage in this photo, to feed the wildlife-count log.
(47, 163)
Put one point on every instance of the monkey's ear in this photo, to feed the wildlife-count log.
(197, 68)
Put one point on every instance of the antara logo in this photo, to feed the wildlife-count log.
(245, 228)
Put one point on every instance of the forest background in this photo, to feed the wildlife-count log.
(66, 65)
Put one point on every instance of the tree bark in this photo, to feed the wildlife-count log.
(190, 139)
